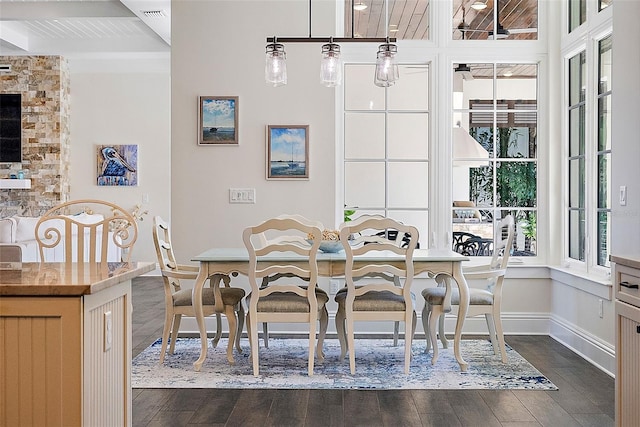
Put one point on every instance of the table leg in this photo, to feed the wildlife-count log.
(463, 307)
(196, 297)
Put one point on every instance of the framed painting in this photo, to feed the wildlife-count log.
(117, 165)
(218, 120)
(288, 152)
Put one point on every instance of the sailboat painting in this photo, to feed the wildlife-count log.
(288, 152)
(218, 124)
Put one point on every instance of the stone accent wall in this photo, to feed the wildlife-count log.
(44, 83)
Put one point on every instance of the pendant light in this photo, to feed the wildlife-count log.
(330, 65)
(275, 68)
(275, 71)
(386, 72)
(386, 66)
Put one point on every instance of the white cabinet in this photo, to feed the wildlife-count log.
(627, 284)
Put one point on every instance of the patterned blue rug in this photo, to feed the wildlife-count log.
(379, 365)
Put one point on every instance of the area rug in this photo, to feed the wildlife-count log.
(379, 365)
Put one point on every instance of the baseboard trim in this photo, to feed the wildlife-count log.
(597, 352)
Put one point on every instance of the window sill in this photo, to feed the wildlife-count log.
(597, 285)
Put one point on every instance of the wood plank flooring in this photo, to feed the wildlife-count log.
(585, 396)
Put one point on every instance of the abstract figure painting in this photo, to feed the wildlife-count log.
(118, 165)
(288, 152)
(218, 120)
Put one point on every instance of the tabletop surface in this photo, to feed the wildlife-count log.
(73, 279)
(241, 254)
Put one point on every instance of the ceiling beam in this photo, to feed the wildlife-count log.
(14, 38)
(42, 10)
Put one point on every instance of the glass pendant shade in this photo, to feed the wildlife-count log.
(330, 65)
(386, 66)
(275, 69)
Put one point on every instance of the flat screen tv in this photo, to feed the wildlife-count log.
(10, 127)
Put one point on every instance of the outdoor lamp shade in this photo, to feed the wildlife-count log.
(466, 148)
(275, 69)
(386, 66)
(330, 65)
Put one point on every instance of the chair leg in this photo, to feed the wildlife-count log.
(396, 333)
(174, 333)
(340, 329)
(426, 312)
(216, 338)
(230, 312)
(324, 323)
(265, 334)
(240, 311)
(433, 321)
(443, 337)
(500, 334)
(408, 338)
(168, 320)
(492, 332)
(312, 346)
(252, 332)
(351, 344)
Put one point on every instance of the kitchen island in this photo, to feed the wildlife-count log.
(65, 343)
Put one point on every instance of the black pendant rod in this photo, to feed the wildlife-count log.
(328, 40)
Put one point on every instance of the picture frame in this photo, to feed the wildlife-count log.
(218, 120)
(287, 152)
(117, 165)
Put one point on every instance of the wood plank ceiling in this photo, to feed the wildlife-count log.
(409, 19)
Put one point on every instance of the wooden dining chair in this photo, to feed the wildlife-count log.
(383, 289)
(178, 299)
(87, 230)
(485, 301)
(291, 294)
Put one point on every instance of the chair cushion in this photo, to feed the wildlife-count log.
(230, 296)
(373, 301)
(288, 302)
(435, 296)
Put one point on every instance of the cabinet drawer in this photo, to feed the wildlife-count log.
(627, 284)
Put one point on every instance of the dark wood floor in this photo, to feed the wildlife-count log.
(585, 396)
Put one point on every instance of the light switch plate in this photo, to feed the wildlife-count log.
(623, 195)
(242, 195)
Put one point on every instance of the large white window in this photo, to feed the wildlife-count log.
(495, 140)
(386, 145)
(588, 143)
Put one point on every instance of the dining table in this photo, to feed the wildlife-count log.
(234, 261)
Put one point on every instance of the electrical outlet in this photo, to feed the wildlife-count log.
(108, 331)
(600, 308)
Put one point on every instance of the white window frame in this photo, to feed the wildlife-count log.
(598, 25)
(441, 52)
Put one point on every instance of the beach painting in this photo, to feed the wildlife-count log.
(117, 165)
(218, 120)
(288, 152)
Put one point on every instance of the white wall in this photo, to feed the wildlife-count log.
(123, 100)
(218, 48)
(625, 134)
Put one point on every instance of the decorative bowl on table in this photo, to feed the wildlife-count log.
(330, 241)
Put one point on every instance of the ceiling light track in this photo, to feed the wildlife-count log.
(329, 39)
(330, 64)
